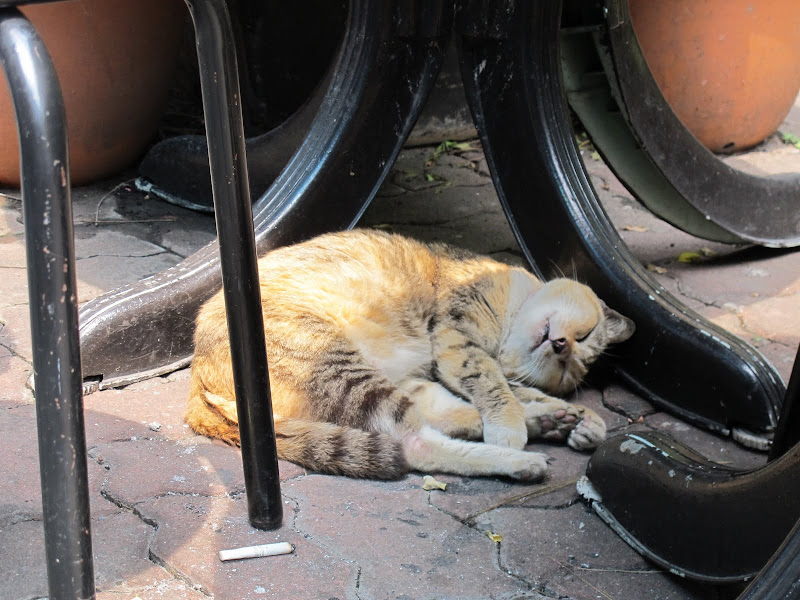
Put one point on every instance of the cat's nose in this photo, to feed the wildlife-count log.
(559, 345)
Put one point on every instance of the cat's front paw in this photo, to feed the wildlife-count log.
(589, 433)
(506, 434)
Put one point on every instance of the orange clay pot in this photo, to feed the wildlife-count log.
(114, 60)
(730, 69)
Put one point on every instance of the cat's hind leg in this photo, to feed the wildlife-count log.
(443, 410)
(554, 419)
(428, 450)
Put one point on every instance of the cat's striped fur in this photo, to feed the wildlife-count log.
(383, 351)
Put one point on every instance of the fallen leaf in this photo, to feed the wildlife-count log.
(689, 257)
(656, 269)
(707, 252)
(495, 537)
(429, 483)
(636, 228)
(790, 138)
(595, 155)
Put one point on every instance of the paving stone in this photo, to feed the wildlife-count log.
(542, 546)
(24, 570)
(354, 539)
(716, 448)
(184, 241)
(455, 170)
(450, 204)
(15, 286)
(120, 414)
(20, 485)
(466, 498)
(389, 189)
(12, 251)
(621, 400)
(14, 372)
(486, 233)
(142, 469)
(192, 530)
(594, 399)
(15, 333)
(776, 318)
(120, 544)
(574, 582)
(404, 546)
(742, 279)
(781, 356)
(785, 159)
(10, 217)
(92, 241)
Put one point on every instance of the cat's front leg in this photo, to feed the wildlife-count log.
(554, 419)
(468, 370)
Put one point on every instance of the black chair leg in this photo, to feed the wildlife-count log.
(47, 208)
(229, 183)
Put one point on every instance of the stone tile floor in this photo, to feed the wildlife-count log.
(164, 500)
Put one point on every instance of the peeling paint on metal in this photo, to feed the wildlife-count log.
(630, 446)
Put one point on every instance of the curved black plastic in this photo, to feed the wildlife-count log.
(389, 60)
(590, 85)
(228, 169)
(696, 518)
(763, 210)
(676, 358)
(176, 169)
(781, 577)
(52, 290)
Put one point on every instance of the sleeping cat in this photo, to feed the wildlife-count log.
(386, 354)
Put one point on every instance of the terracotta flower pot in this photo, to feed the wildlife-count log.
(115, 60)
(730, 69)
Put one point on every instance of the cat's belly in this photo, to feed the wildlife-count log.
(396, 358)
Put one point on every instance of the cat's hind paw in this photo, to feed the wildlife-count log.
(527, 466)
(589, 433)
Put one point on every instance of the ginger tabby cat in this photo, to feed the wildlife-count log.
(387, 354)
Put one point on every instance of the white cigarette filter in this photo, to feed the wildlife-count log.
(256, 551)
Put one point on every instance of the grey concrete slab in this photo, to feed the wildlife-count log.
(165, 501)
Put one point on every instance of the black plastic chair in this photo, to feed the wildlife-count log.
(510, 65)
(39, 110)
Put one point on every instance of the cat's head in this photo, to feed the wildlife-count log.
(557, 333)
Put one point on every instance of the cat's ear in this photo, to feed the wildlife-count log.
(618, 327)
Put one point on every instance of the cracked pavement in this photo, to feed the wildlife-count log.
(164, 501)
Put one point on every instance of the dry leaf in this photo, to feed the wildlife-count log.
(689, 257)
(656, 269)
(707, 252)
(636, 228)
(495, 537)
(429, 483)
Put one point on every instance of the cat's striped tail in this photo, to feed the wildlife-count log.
(335, 450)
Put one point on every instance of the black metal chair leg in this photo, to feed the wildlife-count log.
(222, 107)
(47, 208)
(511, 72)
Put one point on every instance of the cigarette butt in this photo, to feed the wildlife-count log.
(256, 551)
